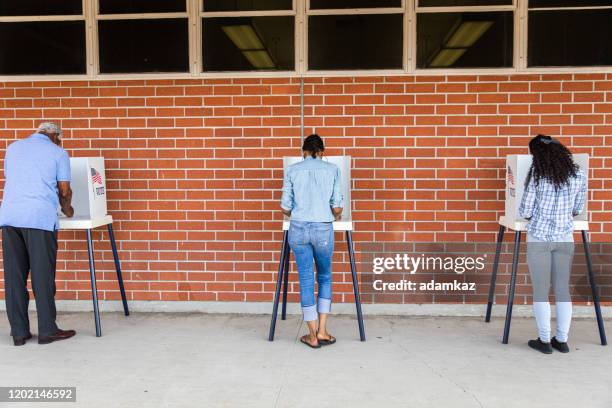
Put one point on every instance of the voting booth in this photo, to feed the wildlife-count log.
(344, 164)
(89, 187)
(88, 184)
(344, 224)
(517, 171)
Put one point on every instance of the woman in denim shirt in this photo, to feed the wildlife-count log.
(555, 192)
(312, 197)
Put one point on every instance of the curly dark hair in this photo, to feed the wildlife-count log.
(313, 144)
(551, 161)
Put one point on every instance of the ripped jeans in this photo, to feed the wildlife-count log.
(313, 243)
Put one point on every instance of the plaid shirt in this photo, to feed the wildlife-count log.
(551, 212)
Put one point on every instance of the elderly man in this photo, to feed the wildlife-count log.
(37, 173)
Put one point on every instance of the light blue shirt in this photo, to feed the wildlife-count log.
(32, 168)
(551, 211)
(310, 189)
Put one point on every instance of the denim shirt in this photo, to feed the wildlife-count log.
(310, 189)
(550, 212)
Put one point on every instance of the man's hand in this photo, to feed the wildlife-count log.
(68, 212)
(65, 197)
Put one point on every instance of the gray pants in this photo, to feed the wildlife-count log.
(551, 262)
(25, 250)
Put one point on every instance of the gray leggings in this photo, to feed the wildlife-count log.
(550, 262)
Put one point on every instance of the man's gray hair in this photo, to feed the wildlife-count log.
(49, 127)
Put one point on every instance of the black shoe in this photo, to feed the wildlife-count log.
(58, 335)
(560, 346)
(539, 345)
(20, 341)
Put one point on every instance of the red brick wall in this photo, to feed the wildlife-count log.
(194, 166)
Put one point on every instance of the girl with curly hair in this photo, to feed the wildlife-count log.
(555, 192)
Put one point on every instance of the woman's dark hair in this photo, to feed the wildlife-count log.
(313, 144)
(551, 161)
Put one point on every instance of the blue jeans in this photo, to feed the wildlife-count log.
(313, 243)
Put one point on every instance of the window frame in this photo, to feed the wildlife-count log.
(95, 5)
(195, 13)
(354, 11)
(297, 33)
(516, 50)
(59, 17)
(525, 38)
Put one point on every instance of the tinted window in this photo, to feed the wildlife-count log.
(570, 38)
(248, 43)
(245, 5)
(159, 45)
(355, 42)
(40, 7)
(464, 40)
(343, 4)
(49, 47)
(569, 3)
(447, 3)
(141, 6)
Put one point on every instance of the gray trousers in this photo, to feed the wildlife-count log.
(550, 262)
(25, 250)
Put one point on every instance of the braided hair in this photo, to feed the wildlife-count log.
(313, 144)
(552, 161)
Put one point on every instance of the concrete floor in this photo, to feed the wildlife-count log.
(199, 360)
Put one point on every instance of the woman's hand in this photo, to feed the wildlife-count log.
(337, 213)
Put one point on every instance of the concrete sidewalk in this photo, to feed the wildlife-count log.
(200, 360)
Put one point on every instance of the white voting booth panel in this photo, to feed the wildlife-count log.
(517, 169)
(89, 202)
(344, 164)
(88, 194)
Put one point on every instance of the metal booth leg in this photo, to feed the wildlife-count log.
(285, 283)
(515, 258)
(500, 239)
(279, 280)
(600, 323)
(94, 289)
(111, 236)
(349, 242)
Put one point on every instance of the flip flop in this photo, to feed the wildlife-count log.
(303, 340)
(329, 342)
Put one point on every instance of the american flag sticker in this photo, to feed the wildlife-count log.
(97, 183)
(96, 177)
(510, 181)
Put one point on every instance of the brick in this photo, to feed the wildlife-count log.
(194, 175)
